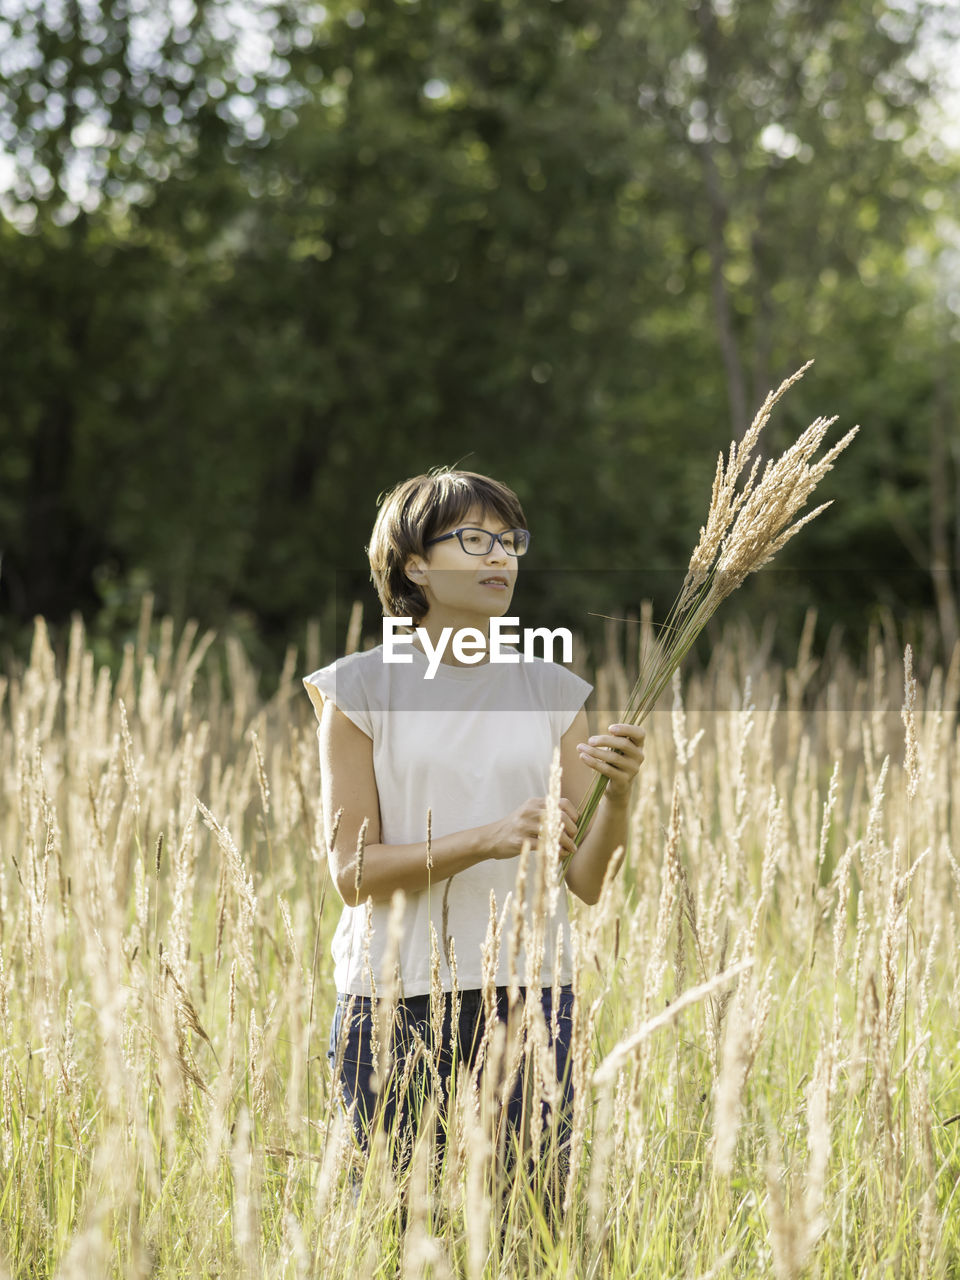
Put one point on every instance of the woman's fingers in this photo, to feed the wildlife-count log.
(568, 834)
(609, 758)
(606, 767)
(527, 826)
(627, 739)
(616, 754)
(622, 740)
(568, 822)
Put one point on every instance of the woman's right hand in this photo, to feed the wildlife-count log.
(524, 823)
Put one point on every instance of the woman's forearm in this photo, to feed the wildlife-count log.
(380, 869)
(606, 833)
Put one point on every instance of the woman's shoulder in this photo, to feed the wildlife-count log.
(350, 683)
(351, 666)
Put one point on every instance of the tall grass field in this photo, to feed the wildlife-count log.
(766, 1058)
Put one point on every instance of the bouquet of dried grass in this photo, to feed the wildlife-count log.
(745, 528)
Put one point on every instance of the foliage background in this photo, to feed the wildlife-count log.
(260, 261)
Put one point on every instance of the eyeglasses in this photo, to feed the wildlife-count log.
(479, 542)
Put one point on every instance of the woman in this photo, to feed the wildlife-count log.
(434, 777)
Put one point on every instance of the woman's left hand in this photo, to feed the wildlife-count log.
(617, 754)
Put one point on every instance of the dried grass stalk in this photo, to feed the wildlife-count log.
(749, 520)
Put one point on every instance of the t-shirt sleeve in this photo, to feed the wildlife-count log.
(342, 682)
(568, 695)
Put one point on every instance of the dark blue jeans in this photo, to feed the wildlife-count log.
(402, 1093)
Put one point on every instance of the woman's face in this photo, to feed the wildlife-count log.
(457, 583)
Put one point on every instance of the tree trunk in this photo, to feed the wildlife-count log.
(722, 310)
(717, 231)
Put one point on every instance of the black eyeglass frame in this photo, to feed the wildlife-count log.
(494, 537)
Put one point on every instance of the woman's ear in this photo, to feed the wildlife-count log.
(415, 568)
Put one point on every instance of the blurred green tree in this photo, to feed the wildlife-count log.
(257, 271)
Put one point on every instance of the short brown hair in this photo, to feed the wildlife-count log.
(415, 511)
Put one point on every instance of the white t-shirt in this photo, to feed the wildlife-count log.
(470, 745)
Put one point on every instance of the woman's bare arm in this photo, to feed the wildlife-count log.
(608, 830)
